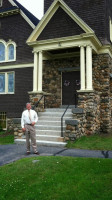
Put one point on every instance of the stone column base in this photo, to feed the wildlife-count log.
(35, 97)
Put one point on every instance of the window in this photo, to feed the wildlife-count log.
(7, 51)
(2, 83)
(10, 52)
(10, 82)
(7, 83)
(1, 2)
(2, 52)
(3, 120)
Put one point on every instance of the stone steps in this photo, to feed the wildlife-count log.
(48, 127)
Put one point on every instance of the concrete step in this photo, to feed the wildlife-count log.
(53, 123)
(52, 118)
(49, 127)
(48, 132)
(42, 143)
(50, 138)
(54, 114)
(62, 110)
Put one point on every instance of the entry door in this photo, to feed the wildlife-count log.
(70, 83)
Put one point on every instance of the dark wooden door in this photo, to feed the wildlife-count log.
(70, 84)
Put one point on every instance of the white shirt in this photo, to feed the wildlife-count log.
(25, 119)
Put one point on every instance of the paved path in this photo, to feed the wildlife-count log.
(13, 152)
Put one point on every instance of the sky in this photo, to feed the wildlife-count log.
(34, 6)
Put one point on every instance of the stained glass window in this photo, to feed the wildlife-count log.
(11, 52)
(11, 82)
(2, 51)
(2, 83)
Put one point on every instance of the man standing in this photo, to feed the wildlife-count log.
(28, 120)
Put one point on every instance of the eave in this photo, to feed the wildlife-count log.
(67, 42)
(10, 12)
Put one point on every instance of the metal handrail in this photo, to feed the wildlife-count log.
(65, 112)
(62, 120)
(36, 104)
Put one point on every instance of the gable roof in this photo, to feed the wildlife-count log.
(60, 25)
(49, 14)
(29, 17)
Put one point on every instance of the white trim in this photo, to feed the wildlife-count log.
(23, 15)
(82, 67)
(89, 68)
(27, 19)
(106, 49)
(14, 44)
(6, 83)
(16, 66)
(1, 3)
(110, 23)
(6, 44)
(50, 12)
(67, 42)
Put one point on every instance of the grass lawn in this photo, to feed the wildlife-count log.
(97, 142)
(57, 178)
(6, 137)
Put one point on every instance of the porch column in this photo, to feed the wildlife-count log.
(40, 71)
(35, 72)
(82, 67)
(89, 68)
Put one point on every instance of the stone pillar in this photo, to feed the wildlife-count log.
(82, 67)
(89, 68)
(40, 72)
(35, 72)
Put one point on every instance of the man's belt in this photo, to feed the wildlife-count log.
(29, 124)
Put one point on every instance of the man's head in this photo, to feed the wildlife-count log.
(28, 106)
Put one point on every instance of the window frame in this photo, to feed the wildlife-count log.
(7, 44)
(6, 82)
(4, 43)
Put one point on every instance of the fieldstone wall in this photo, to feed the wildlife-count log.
(52, 79)
(75, 128)
(96, 105)
(34, 98)
(102, 65)
(15, 125)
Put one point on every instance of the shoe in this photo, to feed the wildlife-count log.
(37, 153)
(28, 152)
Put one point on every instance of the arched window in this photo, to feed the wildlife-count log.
(7, 51)
(10, 52)
(2, 52)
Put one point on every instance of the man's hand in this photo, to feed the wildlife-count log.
(23, 129)
(33, 123)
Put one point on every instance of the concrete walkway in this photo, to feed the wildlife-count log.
(13, 152)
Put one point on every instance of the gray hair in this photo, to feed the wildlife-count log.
(28, 103)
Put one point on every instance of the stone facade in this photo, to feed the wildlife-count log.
(96, 104)
(94, 112)
(15, 125)
(52, 79)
